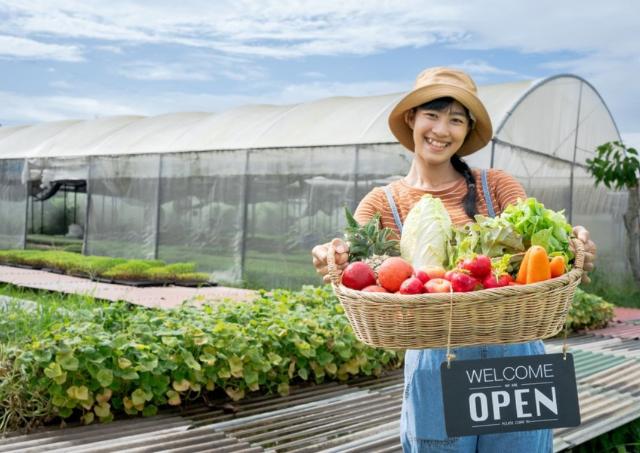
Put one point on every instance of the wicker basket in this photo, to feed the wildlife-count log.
(510, 314)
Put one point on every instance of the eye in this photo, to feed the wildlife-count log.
(431, 115)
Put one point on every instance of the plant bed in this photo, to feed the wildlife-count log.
(141, 283)
(53, 270)
(26, 266)
(132, 272)
(78, 274)
(102, 279)
(194, 284)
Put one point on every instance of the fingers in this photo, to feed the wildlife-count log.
(340, 245)
(583, 234)
(589, 248)
(327, 278)
(342, 259)
(342, 251)
(322, 270)
(319, 253)
(589, 251)
(589, 262)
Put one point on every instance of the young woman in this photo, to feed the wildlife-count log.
(440, 121)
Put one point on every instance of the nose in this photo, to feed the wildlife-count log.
(440, 127)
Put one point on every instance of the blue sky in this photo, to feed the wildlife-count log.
(83, 59)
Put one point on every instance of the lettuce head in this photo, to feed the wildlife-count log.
(426, 233)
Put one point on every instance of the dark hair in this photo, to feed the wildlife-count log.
(470, 199)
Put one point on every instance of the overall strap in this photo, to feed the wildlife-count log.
(487, 196)
(394, 209)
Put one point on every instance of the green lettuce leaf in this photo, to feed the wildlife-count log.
(426, 233)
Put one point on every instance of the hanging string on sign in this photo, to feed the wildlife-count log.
(450, 356)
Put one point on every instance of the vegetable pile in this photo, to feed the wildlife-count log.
(527, 243)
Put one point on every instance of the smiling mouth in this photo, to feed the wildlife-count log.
(437, 144)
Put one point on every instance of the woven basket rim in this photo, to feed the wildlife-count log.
(471, 296)
(494, 293)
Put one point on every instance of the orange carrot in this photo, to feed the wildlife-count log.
(522, 272)
(538, 268)
(557, 266)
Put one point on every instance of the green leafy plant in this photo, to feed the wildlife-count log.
(624, 439)
(96, 360)
(369, 240)
(540, 226)
(588, 311)
(132, 269)
(617, 166)
(104, 266)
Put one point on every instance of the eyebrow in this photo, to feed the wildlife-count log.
(451, 112)
(457, 112)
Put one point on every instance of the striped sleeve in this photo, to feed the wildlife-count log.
(506, 189)
(369, 205)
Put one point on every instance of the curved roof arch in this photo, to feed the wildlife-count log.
(562, 116)
(541, 82)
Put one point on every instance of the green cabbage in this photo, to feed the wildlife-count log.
(426, 233)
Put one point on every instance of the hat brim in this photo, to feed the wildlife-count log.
(477, 138)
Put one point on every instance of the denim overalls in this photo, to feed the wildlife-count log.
(422, 426)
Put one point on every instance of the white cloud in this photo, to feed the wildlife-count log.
(60, 84)
(111, 49)
(303, 92)
(161, 71)
(267, 28)
(314, 75)
(20, 109)
(23, 48)
(331, 27)
(197, 67)
(482, 67)
(602, 37)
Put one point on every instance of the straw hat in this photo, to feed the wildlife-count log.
(434, 83)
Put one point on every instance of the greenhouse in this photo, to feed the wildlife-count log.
(247, 192)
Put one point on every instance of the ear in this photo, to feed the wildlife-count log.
(410, 118)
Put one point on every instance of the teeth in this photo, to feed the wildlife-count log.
(436, 143)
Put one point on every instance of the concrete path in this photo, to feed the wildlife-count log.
(153, 297)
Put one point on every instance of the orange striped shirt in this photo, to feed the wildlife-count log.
(503, 188)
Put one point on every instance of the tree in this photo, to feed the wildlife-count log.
(618, 166)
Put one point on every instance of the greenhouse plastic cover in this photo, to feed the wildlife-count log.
(331, 121)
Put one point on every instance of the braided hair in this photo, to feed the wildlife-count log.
(470, 199)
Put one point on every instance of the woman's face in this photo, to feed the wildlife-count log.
(438, 135)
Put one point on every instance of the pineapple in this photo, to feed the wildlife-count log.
(369, 242)
(374, 261)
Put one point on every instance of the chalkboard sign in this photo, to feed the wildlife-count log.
(509, 394)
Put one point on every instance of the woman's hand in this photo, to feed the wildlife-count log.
(319, 253)
(589, 250)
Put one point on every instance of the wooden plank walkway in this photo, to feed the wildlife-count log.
(152, 297)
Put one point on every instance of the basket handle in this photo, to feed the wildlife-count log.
(578, 247)
(331, 265)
